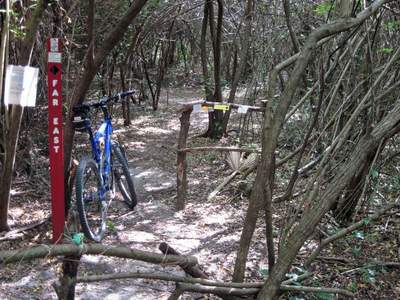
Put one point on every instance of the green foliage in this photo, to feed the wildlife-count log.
(333, 230)
(264, 272)
(352, 286)
(385, 50)
(356, 250)
(392, 25)
(395, 184)
(374, 174)
(366, 221)
(153, 4)
(368, 275)
(359, 235)
(150, 7)
(111, 226)
(323, 8)
(224, 82)
(371, 237)
(293, 132)
(324, 296)
(16, 29)
(209, 157)
(294, 276)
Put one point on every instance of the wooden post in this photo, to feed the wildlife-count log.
(181, 180)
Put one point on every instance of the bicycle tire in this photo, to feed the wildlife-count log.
(125, 183)
(93, 222)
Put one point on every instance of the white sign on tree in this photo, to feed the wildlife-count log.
(21, 85)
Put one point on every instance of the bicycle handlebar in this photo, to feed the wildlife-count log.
(81, 119)
(103, 101)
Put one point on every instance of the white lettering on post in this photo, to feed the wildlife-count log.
(55, 102)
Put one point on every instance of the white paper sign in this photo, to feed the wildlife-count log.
(197, 108)
(243, 109)
(21, 85)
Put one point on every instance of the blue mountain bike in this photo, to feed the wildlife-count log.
(98, 175)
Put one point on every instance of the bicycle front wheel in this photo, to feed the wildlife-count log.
(123, 176)
(91, 209)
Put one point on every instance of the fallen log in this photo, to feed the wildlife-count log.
(223, 289)
(10, 256)
(192, 270)
(220, 148)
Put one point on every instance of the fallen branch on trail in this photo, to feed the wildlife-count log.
(166, 277)
(183, 279)
(389, 264)
(192, 270)
(221, 149)
(224, 289)
(189, 284)
(14, 234)
(185, 287)
(43, 251)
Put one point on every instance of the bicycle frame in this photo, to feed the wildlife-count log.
(99, 139)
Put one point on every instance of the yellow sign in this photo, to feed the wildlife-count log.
(221, 106)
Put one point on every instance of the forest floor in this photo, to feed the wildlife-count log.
(209, 230)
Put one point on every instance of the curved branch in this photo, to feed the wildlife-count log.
(209, 286)
(43, 251)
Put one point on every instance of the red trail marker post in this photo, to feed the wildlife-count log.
(56, 148)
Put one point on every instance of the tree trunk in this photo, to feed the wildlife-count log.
(238, 70)
(167, 57)
(260, 194)
(125, 102)
(344, 208)
(203, 53)
(15, 117)
(214, 130)
(181, 180)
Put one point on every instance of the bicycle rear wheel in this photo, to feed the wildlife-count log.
(91, 209)
(123, 176)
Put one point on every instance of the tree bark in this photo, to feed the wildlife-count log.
(203, 53)
(181, 179)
